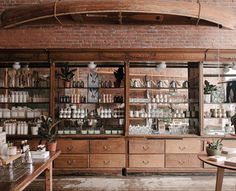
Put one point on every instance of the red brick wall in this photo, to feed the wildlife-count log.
(116, 36)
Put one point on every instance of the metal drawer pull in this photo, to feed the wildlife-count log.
(145, 148)
(106, 162)
(181, 162)
(106, 148)
(69, 148)
(182, 148)
(145, 162)
(69, 162)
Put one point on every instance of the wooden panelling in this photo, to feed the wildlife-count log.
(71, 161)
(107, 146)
(146, 161)
(183, 146)
(107, 160)
(73, 146)
(182, 161)
(146, 146)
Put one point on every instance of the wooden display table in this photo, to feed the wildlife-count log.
(220, 169)
(17, 179)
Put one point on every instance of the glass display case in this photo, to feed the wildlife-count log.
(92, 102)
(24, 97)
(219, 98)
(163, 98)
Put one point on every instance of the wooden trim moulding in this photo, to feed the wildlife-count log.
(166, 54)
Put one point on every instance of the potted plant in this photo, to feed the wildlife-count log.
(119, 75)
(48, 132)
(233, 122)
(208, 89)
(214, 147)
(67, 75)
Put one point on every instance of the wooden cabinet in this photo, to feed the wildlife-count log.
(73, 146)
(146, 146)
(107, 146)
(146, 161)
(71, 161)
(107, 160)
(184, 146)
(182, 161)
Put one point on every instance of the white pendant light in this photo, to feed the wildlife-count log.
(16, 65)
(92, 65)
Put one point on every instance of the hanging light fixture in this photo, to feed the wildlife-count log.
(16, 65)
(92, 65)
(161, 66)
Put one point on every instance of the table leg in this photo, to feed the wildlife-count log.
(48, 176)
(219, 178)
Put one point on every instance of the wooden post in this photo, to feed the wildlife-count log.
(48, 178)
(219, 178)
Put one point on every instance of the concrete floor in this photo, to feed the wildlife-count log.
(136, 183)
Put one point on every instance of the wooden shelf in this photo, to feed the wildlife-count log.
(141, 103)
(158, 89)
(143, 118)
(86, 88)
(218, 103)
(90, 103)
(25, 88)
(24, 103)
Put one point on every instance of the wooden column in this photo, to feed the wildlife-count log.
(52, 93)
(127, 85)
(48, 178)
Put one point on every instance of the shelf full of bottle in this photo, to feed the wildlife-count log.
(25, 77)
(14, 127)
(24, 97)
(82, 99)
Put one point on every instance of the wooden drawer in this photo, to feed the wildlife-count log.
(146, 146)
(182, 161)
(71, 161)
(146, 161)
(107, 160)
(73, 146)
(107, 146)
(183, 146)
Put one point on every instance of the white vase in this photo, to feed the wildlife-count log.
(207, 98)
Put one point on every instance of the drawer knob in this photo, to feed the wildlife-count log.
(145, 148)
(106, 148)
(106, 162)
(69, 162)
(181, 162)
(69, 148)
(145, 162)
(182, 148)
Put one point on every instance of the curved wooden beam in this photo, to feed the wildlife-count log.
(25, 14)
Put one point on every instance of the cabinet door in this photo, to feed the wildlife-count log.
(107, 146)
(146, 161)
(71, 161)
(183, 146)
(146, 146)
(182, 161)
(107, 160)
(73, 146)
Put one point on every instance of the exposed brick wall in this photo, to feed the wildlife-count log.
(116, 36)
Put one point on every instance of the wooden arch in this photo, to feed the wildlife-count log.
(122, 12)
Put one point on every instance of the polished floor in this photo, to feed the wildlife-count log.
(136, 183)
